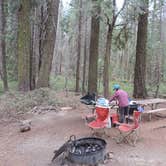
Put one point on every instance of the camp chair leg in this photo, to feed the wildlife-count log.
(96, 132)
(119, 139)
(124, 138)
(131, 138)
(129, 133)
(136, 136)
(99, 132)
(105, 133)
(150, 116)
(93, 132)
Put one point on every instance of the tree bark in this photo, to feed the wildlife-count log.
(3, 45)
(79, 48)
(48, 42)
(162, 41)
(24, 39)
(107, 61)
(140, 64)
(32, 51)
(12, 38)
(1, 39)
(93, 57)
(84, 58)
(108, 46)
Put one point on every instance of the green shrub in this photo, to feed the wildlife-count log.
(60, 83)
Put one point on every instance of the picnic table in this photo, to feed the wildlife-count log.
(153, 104)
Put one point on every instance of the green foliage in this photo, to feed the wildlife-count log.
(107, 9)
(121, 37)
(151, 89)
(125, 85)
(64, 23)
(69, 18)
(162, 88)
(60, 83)
(12, 86)
(1, 87)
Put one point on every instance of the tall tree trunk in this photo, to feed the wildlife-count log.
(159, 56)
(140, 64)
(12, 38)
(85, 58)
(32, 52)
(79, 48)
(1, 38)
(60, 65)
(3, 44)
(162, 41)
(24, 39)
(41, 34)
(111, 24)
(94, 42)
(58, 49)
(107, 61)
(151, 73)
(35, 45)
(48, 42)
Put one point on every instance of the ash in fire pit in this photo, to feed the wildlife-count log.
(84, 149)
(88, 151)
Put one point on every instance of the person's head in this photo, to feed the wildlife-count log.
(116, 87)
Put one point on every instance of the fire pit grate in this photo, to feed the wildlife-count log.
(89, 150)
(85, 149)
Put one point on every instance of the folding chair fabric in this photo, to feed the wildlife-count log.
(128, 130)
(102, 116)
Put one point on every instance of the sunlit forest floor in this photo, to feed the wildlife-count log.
(62, 117)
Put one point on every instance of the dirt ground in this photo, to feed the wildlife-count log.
(51, 129)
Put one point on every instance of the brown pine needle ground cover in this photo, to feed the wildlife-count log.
(52, 125)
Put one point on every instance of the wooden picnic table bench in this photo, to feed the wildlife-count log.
(152, 103)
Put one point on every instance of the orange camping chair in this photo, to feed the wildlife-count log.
(102, 119)
(129, 132)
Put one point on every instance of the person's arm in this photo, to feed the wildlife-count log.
(114, 97)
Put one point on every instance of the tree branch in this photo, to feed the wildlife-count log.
(108, 20)
(114, 6)
(123, 24)
(124, 3)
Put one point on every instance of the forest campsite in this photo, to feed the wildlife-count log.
(82, 82)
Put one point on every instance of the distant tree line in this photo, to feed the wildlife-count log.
(94, 42)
